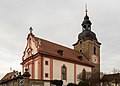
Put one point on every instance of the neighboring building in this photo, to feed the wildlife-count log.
(10, 75)
(48, 61)
(111, 80)
(23, 80)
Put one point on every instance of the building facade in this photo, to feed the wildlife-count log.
(13, 79)
(46, 60)
(111, 80)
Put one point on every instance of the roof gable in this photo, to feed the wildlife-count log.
(9, 75)
(31, 47)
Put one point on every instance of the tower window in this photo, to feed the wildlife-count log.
(64, 72)
(80, 42)
(94, 50)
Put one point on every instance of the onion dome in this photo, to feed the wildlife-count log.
(86, 24)
(86, 30)
(87, 34)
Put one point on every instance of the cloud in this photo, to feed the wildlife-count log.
(8, 60)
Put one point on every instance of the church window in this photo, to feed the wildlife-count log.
(46, 74)
(64, 72)
(46, 62)
(94, 50)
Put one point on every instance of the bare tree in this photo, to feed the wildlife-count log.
(115, 71)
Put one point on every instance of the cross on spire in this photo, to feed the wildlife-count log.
(31, 29)
(86, 8)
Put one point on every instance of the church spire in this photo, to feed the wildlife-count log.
(86, 24)
(86, 33)
(86, 8)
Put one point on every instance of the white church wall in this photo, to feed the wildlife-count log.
(36, 69)
(57, 64)
(30, 44)
(46, 69)
(30, 70)
(34, 49)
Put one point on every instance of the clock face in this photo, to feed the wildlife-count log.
(94, 59)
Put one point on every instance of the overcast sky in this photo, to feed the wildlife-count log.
(58, 21)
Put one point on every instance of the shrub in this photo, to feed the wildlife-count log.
(83, 83)
(71, 84)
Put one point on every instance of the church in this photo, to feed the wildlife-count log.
(46, 60)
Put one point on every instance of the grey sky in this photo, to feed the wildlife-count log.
(58, 21)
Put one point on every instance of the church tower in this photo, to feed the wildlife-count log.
(88, 45)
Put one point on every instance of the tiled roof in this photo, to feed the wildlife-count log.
(70, 54)
(111, 77)
(9, 75)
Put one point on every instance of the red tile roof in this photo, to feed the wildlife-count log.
(70, 54)
(9, 75)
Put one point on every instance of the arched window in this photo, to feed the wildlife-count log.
(64, 72)
(94, 50)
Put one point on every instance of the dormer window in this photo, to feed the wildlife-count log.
(80, 58)
(60, 52)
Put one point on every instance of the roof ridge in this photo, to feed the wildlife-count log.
(55, 43)
(8, 74)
